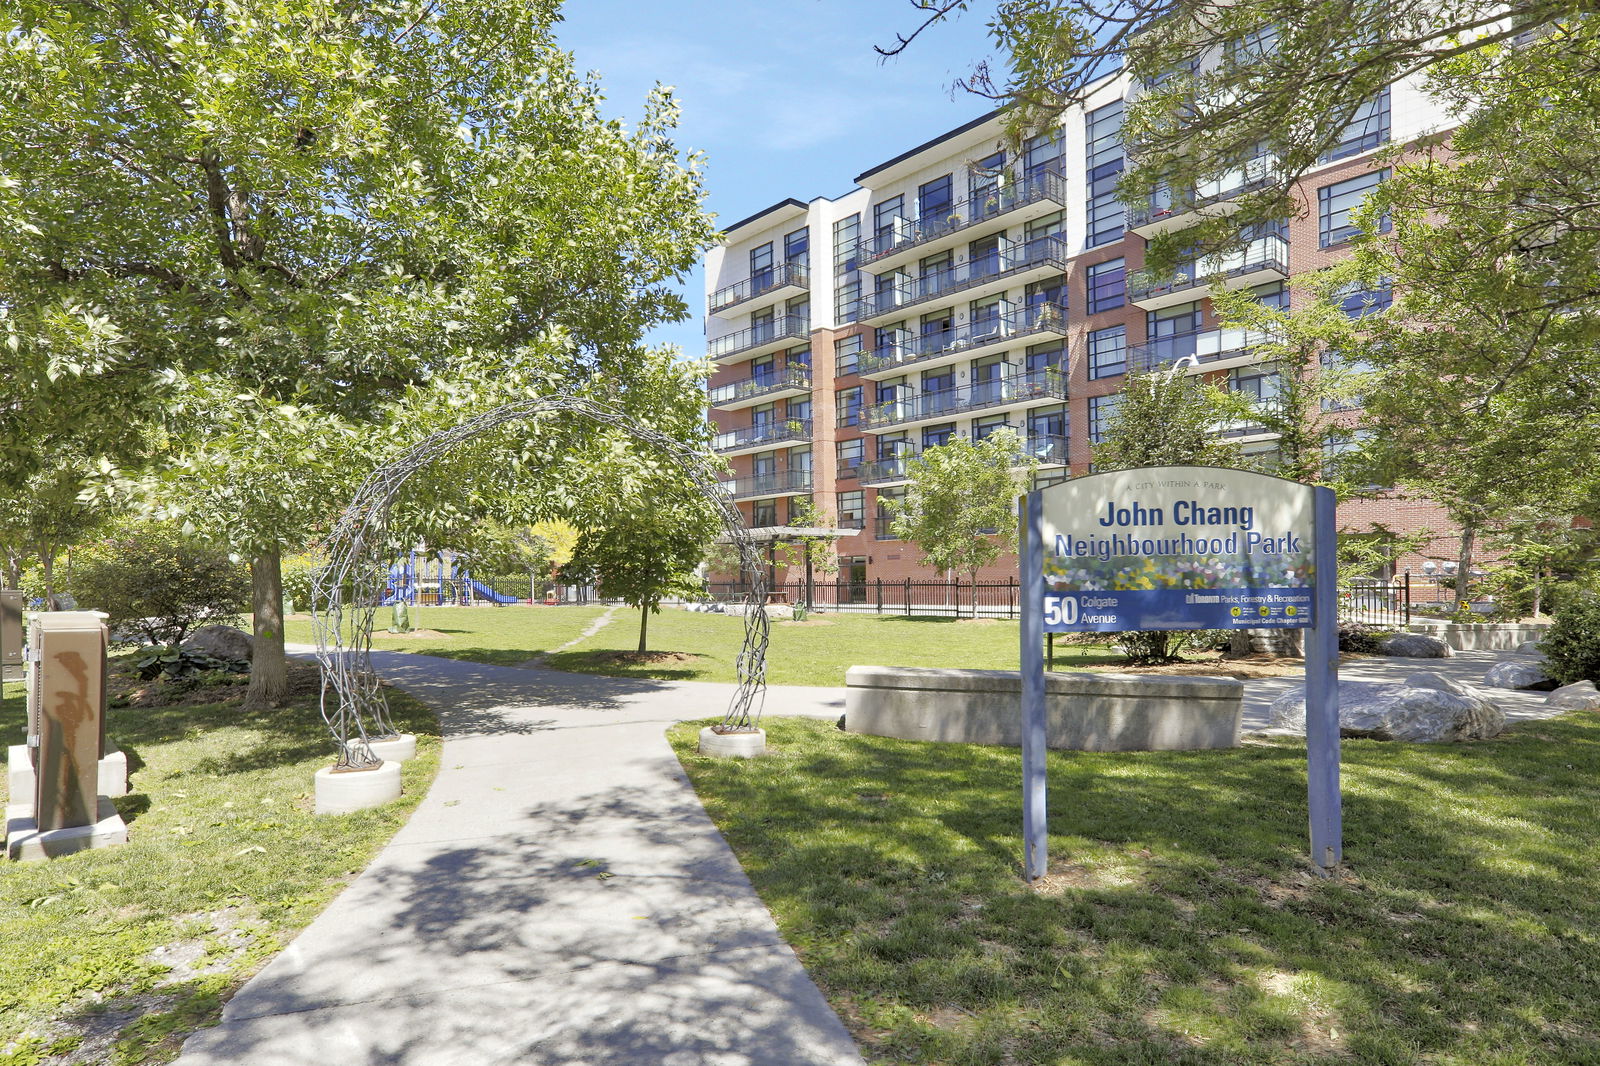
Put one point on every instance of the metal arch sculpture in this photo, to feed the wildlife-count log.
(347, 589)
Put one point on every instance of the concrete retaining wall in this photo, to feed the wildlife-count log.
(1482, 636)
(1085, 712)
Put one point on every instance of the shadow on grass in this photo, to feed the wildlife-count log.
(1181, 922)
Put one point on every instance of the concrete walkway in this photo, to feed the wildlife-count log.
(560, 896)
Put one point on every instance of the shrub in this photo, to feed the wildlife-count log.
(297, 571)
(157, 584)
(169, 660)
(1361, 638)
(1572, 647)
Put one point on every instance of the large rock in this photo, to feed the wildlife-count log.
(1529, 647)
(1519, 672)
(1578, 696)
(1415, 646)
(221, 642)
(1426, 707)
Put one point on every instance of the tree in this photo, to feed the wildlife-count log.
(960, 508)
(1221, 84)
(46, 517)
(816, 552)
(538, 549)
(650, 549)
(324, 207)
(153, 579)
(1167, 418)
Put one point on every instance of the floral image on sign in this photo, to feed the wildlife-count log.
(1177, 548)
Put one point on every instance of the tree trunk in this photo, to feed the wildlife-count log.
(1538, 590)
(974, 576)
(47, 566)
(269, 669)
(644, 624)
(1464, 568)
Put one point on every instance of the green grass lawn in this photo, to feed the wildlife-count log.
(501, 636)
(225, 863)
(1181, 922)
(814, 652)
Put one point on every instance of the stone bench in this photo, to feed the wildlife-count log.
(1084, 712)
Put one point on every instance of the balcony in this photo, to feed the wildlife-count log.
(782, 483)
(1164, 211)
(1211, 349)
(759, 339)
(1005, 204)
(946, 346)
(1014, 263)
(1262, 260)
(1246, 429)
(789, 379)
(778, 282)
(1030, 387)
(886, 471)
(766, 435)
(1048, 449)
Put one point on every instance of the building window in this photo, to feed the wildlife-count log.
(1102, 409)
(1335, 202)
(983, 182)
(1358, 302)
(1107, 286)
(934, 200)
(1108, 352)
(799, 307)
(1367, 129)
(797, 249)
(846, 244)
(934, 436)
(1048, 226)
(846, 354)
(763, 513)
(847, 301)
(1103, 130)
(847, 402)
(799, 411)
(887, 218)
(761, 266)
(1041, 154)
(1274, 295)
(852, 507)
(850, 454)
(982, 428)
(1047, 422)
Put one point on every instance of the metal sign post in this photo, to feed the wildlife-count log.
(1182, 548)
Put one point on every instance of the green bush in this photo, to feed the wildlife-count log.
(297, 571)
(158, 585)
(169, 660)
(1361, 638)
(1572, 647)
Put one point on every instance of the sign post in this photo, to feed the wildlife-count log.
(1182, 548)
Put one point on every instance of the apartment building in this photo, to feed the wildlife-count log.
(959, 288)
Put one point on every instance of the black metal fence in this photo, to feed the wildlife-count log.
(1376, 604)
(931, 599)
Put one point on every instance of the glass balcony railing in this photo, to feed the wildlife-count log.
(786, 377)
(784, 327)
(1204, 346)
(1263, 254)
(908, 348)
(759, 284)
(1049, 449)
(1012, 257)
(1166, 203)
(785, 482)
(795, 429)
(1048, 383)
(884, 471)
(985, 206)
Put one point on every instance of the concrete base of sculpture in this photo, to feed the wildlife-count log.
(25, 843)
(356, 790)
(1084, 712)
(733, 745)
(395, 749)
(19, 773)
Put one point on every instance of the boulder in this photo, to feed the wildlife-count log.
(1519, 672)
(1425, 707)
(221, 642)
(1415, 646)
(1578, 696)
(1528, 647)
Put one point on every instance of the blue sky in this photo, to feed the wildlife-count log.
(784, 97)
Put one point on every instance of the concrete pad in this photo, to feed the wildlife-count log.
(20, 778)
(25, 843)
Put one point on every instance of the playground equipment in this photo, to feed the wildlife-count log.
(442, 580)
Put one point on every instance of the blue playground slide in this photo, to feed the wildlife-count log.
(488, 593)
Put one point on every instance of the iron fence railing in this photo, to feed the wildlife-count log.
(932, 599)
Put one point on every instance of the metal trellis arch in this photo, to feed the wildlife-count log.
(347, 589)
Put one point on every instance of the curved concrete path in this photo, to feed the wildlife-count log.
(560, 896)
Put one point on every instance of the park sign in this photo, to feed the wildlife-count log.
(1177, 548)
(1183, 547)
